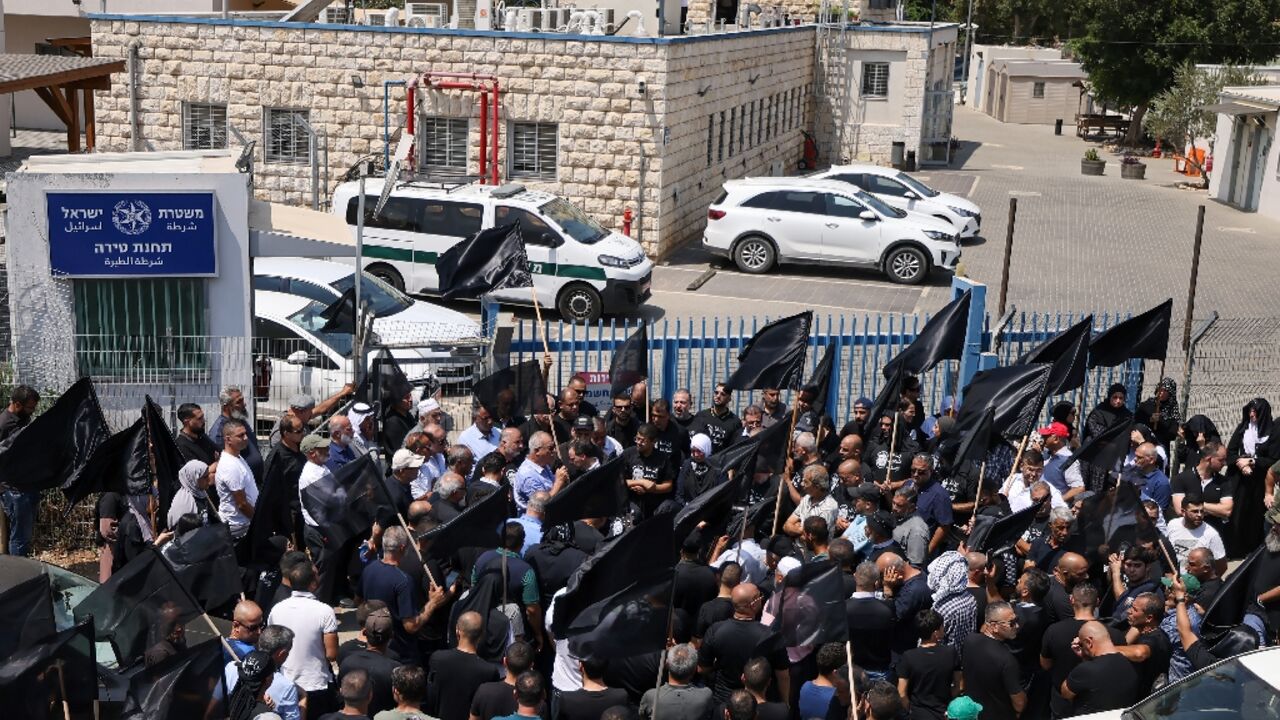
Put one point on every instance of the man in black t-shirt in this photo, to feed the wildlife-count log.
(454, 675)
(928, 674)
(622, 423)
(717, 422)
(729, 644)
(991, 674)
(721, 606)
(1105, 680)
(672, 438)
(1147, 647)
(595, 696)
(498, 698)
(648, 473)
(757, 676)
(1206, 480)
(357, 694)
(374, 660)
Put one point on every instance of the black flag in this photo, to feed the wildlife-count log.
(1015, 395)
(711, 505)
(57, 445)
(138, 606)
(1143, 336)
(524, 382)
(386, 382)
(754, 516)
(630, 362)
(1106, 448)
(976, 441)
(164, 451)
(478, 526)
(340, 315)
(769, 443)
(809, 608)
(641, 555)
(600, 492)
(204, 560)
(117, 465)
(1236, 595)
(820, 384)
(942, 338)
(182, 686)
(30, 678)
(492, 259)
(629, 623)
(774, 356)
(347, 505)
(1000, 535)
(1067, 353)
(886, 402)
(27, 606)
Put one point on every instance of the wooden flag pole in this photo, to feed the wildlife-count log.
(893, 441)
(546, 353)
(853, 686)
(1017, 460)
(62, 686)
(777, 505)
(982, 472)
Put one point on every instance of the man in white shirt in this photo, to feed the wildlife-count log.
(430, 444)
(315, 639)
(237, 490)
(1190, 531)
(1019, 489)
(316, 449)
(483, 436)
(1068, 482)
(817, 501)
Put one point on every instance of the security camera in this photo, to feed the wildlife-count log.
(641, 86)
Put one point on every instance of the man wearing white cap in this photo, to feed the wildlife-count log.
(361, 417)
(430, 412)
(404, 470)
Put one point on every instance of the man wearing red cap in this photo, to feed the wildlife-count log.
(1069, 482)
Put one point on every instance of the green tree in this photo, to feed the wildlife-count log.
(1177, 115)
(1132, 48)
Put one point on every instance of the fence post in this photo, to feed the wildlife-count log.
(969, 360)
(670, 360)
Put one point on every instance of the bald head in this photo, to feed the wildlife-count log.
(1095, 640)
(977, 561)
(1072, 569)
(469, 626)
(889, 560)
(745, 599)
(247, 611)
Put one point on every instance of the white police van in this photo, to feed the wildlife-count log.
(578, 266)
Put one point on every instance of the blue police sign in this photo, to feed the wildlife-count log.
(99, 234)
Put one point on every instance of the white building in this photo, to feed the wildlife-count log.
(1244, 149)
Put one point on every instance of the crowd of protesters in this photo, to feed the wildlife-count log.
(1067, 621)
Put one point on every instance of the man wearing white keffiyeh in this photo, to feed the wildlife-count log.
(948, 579)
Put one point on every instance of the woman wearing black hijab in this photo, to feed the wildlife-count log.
(1193, 435)
(1250, 453)
(1107, 413)
(248, 699)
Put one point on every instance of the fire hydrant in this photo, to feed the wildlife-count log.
(626, 222)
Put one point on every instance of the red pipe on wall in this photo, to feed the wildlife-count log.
(484, 84)
(484, 129)
(409, 127)
(493, 166)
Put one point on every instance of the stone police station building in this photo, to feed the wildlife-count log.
(611, 122)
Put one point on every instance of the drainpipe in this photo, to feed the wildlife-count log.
(408, 122)
(386, 120)
(131, 68)
(493, 162)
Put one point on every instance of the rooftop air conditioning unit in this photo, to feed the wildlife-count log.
(606, 23)
(337, 16)
(439, 11)
(528, 20)
(375, 18)
(553, 19)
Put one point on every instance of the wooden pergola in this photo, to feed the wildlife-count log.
(61, 81)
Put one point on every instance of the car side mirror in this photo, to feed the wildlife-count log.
(868, 215)
(298, 357)
(550, 239)
(909, 195)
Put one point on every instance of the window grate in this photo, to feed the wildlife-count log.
(443, 143)
(139, 314)
(875, 80)
(1037, 90)
(287, 136)
(204, 126)
(534, 149)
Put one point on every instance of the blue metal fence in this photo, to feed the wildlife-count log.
(697, 353)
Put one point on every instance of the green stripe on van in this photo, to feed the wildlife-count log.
(579, 272)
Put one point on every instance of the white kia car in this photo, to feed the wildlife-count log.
(904, 192)
(761, 222)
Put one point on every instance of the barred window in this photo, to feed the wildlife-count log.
(742, 128)
(875, 80)
(1037, 90)
(443, 143)
(288, 137)
(720, 141)
(711, 138)
(761, 122)
(127, 326)
(751, 122)
(534, 150)
(733, 123)
(204, 126)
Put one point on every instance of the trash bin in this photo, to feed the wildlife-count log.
(911, 161)
(896, 154)
(1057, 127)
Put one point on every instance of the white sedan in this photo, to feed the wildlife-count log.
(904, 192)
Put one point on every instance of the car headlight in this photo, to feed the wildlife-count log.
(613, 261)
(962, 212)
(938, 235)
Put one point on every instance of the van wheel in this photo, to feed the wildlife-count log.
(754, 255)
(907, 265)
(387, 274)
(580, 304)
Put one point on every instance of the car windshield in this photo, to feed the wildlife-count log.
(574, 221)
(878, 205)
(310, 319)
(383, 299)
(1230, 690)
(914, 184)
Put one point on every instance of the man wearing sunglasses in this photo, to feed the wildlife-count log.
(718, 422)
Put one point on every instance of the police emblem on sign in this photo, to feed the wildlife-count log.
(131, 217)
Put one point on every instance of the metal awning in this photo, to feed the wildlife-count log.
(64, 83)
(1239, 107)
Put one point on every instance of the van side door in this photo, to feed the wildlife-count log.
(445, 223)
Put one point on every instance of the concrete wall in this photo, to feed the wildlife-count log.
(982, 56)
(1059, 101)
(1225, 164)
